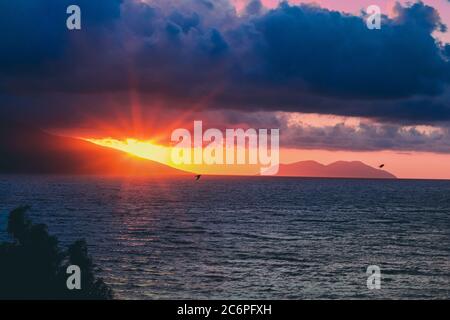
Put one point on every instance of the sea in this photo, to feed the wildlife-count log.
(249, 237)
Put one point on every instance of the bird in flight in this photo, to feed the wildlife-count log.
(381, 166)
(197, 177)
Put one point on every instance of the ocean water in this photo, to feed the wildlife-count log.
(255, 238)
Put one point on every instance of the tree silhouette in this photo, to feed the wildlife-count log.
(34, 267)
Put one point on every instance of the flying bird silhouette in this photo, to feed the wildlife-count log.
(198, 177)
(381, 166)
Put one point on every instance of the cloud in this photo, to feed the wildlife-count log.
(365, 136)
(200, 52)
(329, 132)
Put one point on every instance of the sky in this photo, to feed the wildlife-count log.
(334, 88)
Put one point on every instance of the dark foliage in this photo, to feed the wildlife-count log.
(34, 267)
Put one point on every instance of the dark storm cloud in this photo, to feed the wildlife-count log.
(185, 53)
(338, 55)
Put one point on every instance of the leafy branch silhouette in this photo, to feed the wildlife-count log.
(33, 266)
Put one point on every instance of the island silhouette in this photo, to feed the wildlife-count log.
(338, 169)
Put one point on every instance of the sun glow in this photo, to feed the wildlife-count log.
(142, 149)
(147, 149)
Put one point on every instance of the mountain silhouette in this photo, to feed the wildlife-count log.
(339, 169)
(27, 150)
